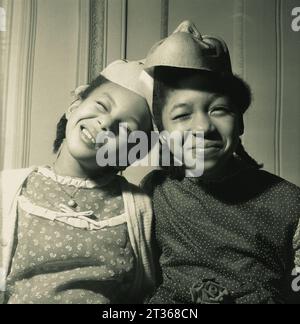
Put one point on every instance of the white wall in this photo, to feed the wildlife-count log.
(54, 77)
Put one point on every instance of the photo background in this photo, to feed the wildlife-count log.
(52, 46)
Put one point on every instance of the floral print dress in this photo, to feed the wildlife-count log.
(56, 262)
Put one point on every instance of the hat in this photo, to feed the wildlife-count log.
(122, 72)
(187, 48)
(126, 74)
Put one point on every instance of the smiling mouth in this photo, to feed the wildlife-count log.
(208, 150)
(208, 146)
(87, 136)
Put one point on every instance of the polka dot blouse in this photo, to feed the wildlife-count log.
(238, 238)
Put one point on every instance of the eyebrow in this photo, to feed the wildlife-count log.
(181, 105)
(110, 98)
(213, 98)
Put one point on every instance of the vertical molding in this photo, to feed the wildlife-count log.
(239, 37)
(29, 39)
(164, 23)
(83, 42)
(105, 54)
(5, 41)
(124, 27)
(97, 37)
(279, 85)
(124, 31)
(113, 30)
(19, 85)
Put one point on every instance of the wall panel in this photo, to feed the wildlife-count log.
(214, 17)
(115, 32)
(261, 60)
(290, 116)
(144, 27)
(55, 75)
(18, 82)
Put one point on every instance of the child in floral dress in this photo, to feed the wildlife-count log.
(75, 232)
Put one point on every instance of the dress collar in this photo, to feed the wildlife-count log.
(48, 172)
(234, 169)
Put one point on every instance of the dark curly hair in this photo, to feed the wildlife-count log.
(168, 78)
(61, 126)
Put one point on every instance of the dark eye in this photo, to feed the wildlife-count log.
(101, 107)
(182, 116)
(220, 110)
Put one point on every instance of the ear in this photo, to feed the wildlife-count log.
(241, 125)
(74, 105)
(77, 101)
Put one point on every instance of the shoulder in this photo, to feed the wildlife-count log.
(130, 187)
(140, 198)
(279, 187)
(152, 180)
(279, 196)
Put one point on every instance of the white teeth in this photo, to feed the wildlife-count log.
(88, 135)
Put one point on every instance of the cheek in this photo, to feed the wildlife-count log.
(74, 117)
(71, 125)
(171, 126)
(227, 127)
(86, 110)
(69, 128)
(166, 123)
(175, 127)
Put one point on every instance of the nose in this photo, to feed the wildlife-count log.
(202, 123)
(107, 123)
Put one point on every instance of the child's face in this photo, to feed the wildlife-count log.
(188, 108)
(103, 110)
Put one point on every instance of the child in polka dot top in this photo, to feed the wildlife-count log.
(75, 232)
(231, 235)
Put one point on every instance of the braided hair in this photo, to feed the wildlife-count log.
(60, 133)
(61, 126)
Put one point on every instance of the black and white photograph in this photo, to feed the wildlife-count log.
(150, 154)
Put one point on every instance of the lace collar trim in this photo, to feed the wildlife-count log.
(73, 181)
